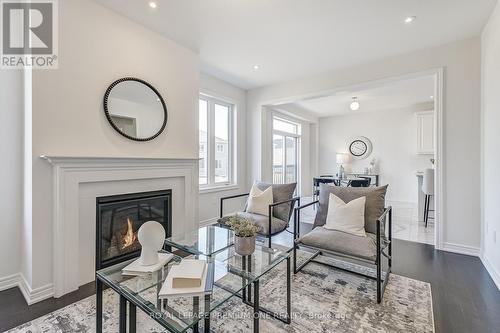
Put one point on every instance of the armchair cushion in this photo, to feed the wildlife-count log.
(261, 221)
(258, 201)
(281, 192)
(341, 242)
(374, 205)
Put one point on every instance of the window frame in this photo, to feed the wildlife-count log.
(211, 147)
(296, 124)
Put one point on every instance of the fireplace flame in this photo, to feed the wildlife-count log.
(130, 236)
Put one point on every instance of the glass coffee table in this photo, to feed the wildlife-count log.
(206, 241)
(234, 276)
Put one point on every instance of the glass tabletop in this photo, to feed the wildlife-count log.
(253, 266)
(204, 241)
(232, 273)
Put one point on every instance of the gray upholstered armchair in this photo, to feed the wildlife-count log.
(279, 214)
(370, 249)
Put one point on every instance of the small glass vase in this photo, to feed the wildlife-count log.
(244, 246)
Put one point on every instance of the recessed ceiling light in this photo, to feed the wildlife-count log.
(354, 104)
(153, 4)
(432, 97)
(410, 19)
(255, 66)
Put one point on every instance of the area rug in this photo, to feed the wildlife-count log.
(323, 300)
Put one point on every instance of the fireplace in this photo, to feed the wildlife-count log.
(119, 218)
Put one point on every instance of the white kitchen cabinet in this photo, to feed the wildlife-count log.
(425, 132)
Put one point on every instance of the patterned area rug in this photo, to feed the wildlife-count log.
(323, 300)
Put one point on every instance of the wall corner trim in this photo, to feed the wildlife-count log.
(30, 295)
(494, 273)
(35, 295)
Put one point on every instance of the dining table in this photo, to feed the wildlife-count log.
(342, 181)
(338, 181)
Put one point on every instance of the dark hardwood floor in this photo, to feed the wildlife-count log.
(14, 311)
(465, 298)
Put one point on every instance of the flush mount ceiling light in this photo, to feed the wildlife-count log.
(410, 19)
(255, 66)
(354, 104)
(153, 4)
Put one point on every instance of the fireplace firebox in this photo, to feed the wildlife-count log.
(119, 218)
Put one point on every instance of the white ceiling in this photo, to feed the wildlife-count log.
(289, 39)
(412, 93)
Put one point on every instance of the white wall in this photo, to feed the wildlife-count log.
(209, 200)
(461, 61)
(490, 141)
(96, 47)
(393, 134)
(11, 150)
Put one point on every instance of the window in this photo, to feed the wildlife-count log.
(282, 125)
(216, 136)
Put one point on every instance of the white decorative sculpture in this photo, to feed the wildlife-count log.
(151, 235)
(372, 168)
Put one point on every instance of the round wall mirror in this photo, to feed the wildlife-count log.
(360, 147)
(135, 109)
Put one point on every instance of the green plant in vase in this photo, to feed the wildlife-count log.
(245, 232)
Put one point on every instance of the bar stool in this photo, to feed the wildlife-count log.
(428, 190)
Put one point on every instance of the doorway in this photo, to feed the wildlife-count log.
(408, 205)
(285, 150)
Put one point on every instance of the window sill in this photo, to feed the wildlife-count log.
(218, 188)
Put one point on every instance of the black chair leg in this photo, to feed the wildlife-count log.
(379, 274)
(427, 204)
(425, 207)
(294, 258)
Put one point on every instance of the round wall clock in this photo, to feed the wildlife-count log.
(360, 147)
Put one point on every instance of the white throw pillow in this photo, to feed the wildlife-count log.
(347, 217)
(259, 201)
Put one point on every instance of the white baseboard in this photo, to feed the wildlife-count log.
(495, 275)
(30, 295)
(461, 249)
(204, 223)
(35, 295)
(10, 281)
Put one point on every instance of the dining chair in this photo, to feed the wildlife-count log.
(323, 179)
(359, 182)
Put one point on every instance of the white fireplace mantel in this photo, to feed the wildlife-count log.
(69, 173)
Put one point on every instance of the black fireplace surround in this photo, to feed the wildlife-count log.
(118, 219)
